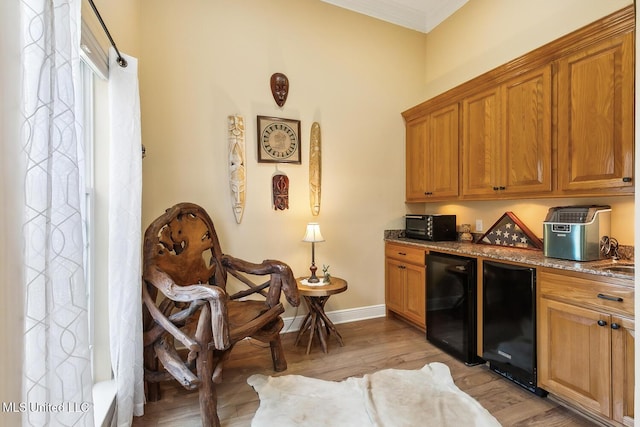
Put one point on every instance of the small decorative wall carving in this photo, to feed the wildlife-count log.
(279, 88)
(315, 169)
(237, 165)
(280, 185)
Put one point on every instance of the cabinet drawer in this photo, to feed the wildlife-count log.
(579, 290)
(410, 254)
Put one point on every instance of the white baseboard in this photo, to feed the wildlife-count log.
(292, 324)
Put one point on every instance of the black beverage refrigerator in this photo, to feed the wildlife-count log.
(451, 305)
(509, 322)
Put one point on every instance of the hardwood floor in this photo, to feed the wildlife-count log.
(370, 345)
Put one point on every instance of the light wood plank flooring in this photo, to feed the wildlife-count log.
(370, 345)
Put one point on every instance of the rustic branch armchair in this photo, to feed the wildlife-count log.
(183, 260)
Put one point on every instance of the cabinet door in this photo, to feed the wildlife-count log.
(526, 150)
(415, 294)
(416, 157)
(442, 160)
(480, 143)
(432, 155)
(623, 369)
(574, 354)
(395, 284)
(596, 117)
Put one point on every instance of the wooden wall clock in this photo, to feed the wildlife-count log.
(278, 140)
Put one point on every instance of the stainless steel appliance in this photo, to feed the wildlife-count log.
(431, 227)
(574, 232)
(509, 322)
(451, 305)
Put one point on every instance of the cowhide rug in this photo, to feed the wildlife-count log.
(388, 398)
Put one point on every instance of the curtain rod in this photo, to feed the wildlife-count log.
(120, 60)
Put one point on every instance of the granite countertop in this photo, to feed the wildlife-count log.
(522, 256)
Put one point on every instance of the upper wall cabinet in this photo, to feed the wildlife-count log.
(416, 159)
(432, 155)
(556, 122)
(595, 117)
(480, 143)
(527, 133)
(506, 138)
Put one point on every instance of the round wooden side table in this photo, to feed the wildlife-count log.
(316, 320)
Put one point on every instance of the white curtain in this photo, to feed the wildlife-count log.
(57, 368)
(11, 241)
(125, 194)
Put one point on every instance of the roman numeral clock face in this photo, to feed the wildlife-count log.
(278, 140)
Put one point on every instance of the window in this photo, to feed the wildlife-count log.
(94, 67)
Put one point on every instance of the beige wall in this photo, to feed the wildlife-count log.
(204, 60)
(122, 19)
(201, 61)
(485, 34)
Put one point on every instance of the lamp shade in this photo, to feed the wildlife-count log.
(313, 233)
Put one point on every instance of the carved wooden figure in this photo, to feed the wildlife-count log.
(280, 185)
(191, 323)
(237, 166)
(279, 88)
(315, 169)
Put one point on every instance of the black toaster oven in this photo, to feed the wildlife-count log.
(431, 227)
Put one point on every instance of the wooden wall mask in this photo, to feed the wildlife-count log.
(279, 88)
(237, 165)
(280, 185)
(315, 169)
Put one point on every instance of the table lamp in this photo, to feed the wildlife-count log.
(313, 235)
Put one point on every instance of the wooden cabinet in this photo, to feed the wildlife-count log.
(506, 138)
(623, 370)
(556, 122)
(416, 155)
(586, 342)
(596, 117)
(480, 142)
(526, 130)
(405, 282)
(432, 155)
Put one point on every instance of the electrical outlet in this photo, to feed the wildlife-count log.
(479, 225)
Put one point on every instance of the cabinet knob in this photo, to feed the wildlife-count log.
(602, 323)
(495, 188)
(627, 179)
(502, 188)
(402, 267)
(615, 326)
(402, 253)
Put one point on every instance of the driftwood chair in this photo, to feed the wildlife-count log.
(192, 324)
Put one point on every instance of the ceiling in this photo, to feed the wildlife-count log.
(419, 15)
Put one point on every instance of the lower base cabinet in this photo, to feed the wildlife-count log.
(623, 367)
(586, 344)
(405, 282)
